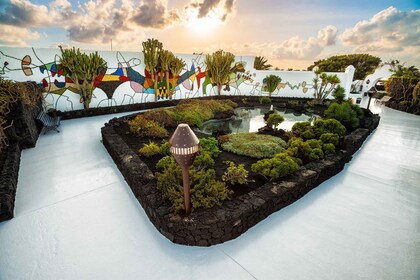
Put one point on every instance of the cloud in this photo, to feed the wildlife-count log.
(389, 30)
(23, 13)
(293, 48)
(221, 8)
(154, 13)
(10, 35)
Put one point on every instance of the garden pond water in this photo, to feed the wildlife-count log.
(251, 119)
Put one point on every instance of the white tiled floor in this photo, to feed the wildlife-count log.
(76, 218)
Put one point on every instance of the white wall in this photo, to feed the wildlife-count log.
(246, 82)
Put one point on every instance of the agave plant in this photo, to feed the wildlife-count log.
(83, 71)
(219, 67)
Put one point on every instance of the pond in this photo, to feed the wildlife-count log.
(251, 119)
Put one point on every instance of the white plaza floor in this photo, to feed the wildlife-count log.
(76, 218)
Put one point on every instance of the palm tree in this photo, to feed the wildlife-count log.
(260, 63)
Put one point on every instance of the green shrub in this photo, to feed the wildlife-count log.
(265, 100)
(270, 83)
(305, 150)
(329, 126)
(330, 138)
(278, 166)
(275, 120)
(328, 148)
(203, 161)
(235, 174)
(304, 130)
(164, 148)
(339, 94)
(149, 150)
(316, 154)
(165, 117)
(146, 128)
(343, 113)
(206, 191)
(253, 145)
(209, 144)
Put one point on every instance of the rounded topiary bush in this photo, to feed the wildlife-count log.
(279, 166)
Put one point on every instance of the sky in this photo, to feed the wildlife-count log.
(290, 34)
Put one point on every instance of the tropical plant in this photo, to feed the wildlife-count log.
(83, 70)
(323, 85)
(260, 63)
(270, 83)
(365, 64)
(152, 49)
(219, 67)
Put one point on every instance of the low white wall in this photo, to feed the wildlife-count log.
(40, 65)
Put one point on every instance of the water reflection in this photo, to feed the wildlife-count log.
(251, 119)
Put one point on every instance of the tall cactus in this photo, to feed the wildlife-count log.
(83, 71)
(152, 49)
(165, 59)
(218, 67)
(176, 66)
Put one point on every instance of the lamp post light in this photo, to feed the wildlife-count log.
(183, 145)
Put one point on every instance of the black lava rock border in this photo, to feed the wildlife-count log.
(206, 227)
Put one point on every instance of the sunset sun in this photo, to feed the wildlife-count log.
(202, 26)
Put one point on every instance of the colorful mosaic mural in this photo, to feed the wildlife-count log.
(126, 80)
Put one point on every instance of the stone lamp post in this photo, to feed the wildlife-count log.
(183, 145)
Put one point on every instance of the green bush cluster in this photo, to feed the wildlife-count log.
(279, 166)
(206, 191)
(304, 130)
(265, 100)
(329, 126)
(330, 138)
(306, 151)
(149, 150)
(210, 145)
(165, 117)
(164, 148)
(144, 127)
(235, 174)
(347, 114)
(253, 145)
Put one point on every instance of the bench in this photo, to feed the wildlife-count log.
(48, 122)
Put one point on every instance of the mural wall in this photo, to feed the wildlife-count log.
(126, 81)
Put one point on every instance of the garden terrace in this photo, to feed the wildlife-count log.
(248, 206)
(80, 219)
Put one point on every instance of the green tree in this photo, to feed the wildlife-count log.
(218, 67)
(83, 70)
(260, 63)
(365, 64)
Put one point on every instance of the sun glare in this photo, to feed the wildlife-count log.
(202, 26)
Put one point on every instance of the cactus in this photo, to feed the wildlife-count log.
(219, 67)
(83, 71)
(165, 59)
(176, 66)
(152, 49)
(271, 82)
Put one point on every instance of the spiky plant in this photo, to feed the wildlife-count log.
(152, 49)
(83, 71)
(323, 85)
(165, 59)
(176, 66)
(218, 67)
(271, 83)
(260, 63)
